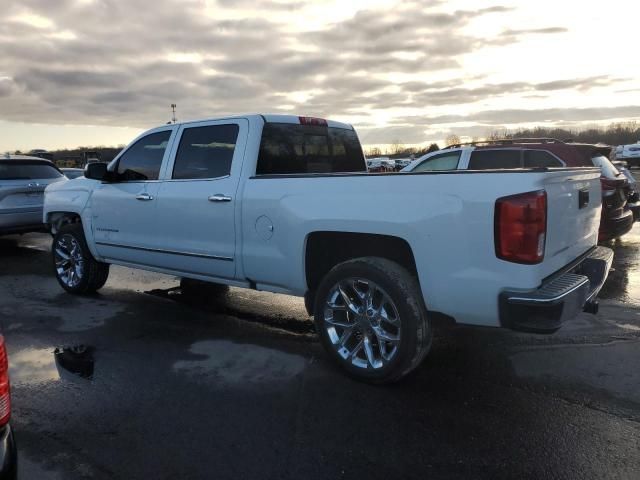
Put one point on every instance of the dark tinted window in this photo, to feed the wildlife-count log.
(540, 158)
(444, 161)
(495, 159)
(143, 159)
(206, 152)
(289, 148)
(27, 171)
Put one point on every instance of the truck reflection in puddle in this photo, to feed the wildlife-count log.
(37, 365)
(77, 360)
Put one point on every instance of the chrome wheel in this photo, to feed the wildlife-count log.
(362, 323)
(69, 261)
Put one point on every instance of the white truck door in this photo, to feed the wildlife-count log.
(197, 201)
(123, 209)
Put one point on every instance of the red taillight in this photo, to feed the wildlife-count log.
(5, 398)
(313, 121)
(521, 227)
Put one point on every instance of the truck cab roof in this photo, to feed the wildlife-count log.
(278, 118)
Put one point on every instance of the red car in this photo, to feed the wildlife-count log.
(616, 220)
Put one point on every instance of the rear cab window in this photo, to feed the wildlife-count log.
(25, 170)
(305, 149)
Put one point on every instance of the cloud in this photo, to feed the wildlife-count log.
(97, 63)
(109, 62)
(418, 129)
(534, 31)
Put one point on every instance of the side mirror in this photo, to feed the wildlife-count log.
(96, 171)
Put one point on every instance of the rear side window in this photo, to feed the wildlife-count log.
(27, 171)
(300, 149)
(444, 161)
(206, 152)
(540, 158)
(142, 161)
(495, 159)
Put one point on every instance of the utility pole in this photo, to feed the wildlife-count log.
(173, 115)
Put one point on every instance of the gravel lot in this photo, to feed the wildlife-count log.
(164, 387)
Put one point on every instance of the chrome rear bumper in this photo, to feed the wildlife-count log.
(559, 298)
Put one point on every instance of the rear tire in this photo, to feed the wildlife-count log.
(371, 319)
(73, 264)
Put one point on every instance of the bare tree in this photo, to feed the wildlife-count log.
(433, 148)
(374, 152)
(452, 139)
(397, 147)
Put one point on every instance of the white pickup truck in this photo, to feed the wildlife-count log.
(285, 204)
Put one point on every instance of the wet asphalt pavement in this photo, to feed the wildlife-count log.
(160, 386)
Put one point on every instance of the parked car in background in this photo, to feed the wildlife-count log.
(402, 163)
(72, 173)
(284, 204)
(8, 451)
(629, 153)
(616, 219)
(23, 180)
(633, 197)
(374, 165)
(388, 165)
(617, 216)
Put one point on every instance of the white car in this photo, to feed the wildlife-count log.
(629, 153)
(284, 204)
(22, 183)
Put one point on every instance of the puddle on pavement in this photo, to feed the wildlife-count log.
(33, 365)
(229, 363)
(40, 365)
(596, 366)
(623, 284)
(628, 326)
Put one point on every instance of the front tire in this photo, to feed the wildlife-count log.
(75, 268)
(371, 319)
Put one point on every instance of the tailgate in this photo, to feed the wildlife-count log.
(17, 195)
(574, 200)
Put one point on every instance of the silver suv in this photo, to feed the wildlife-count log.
(22, 183)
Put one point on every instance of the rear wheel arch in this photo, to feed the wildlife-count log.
(353, 305)
(326, 249)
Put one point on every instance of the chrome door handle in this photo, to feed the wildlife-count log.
(219, 197)
(145, 197)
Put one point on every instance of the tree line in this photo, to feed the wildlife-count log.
(622, 133)
(615, 134)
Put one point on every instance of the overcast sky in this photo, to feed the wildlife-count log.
(88, 72)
